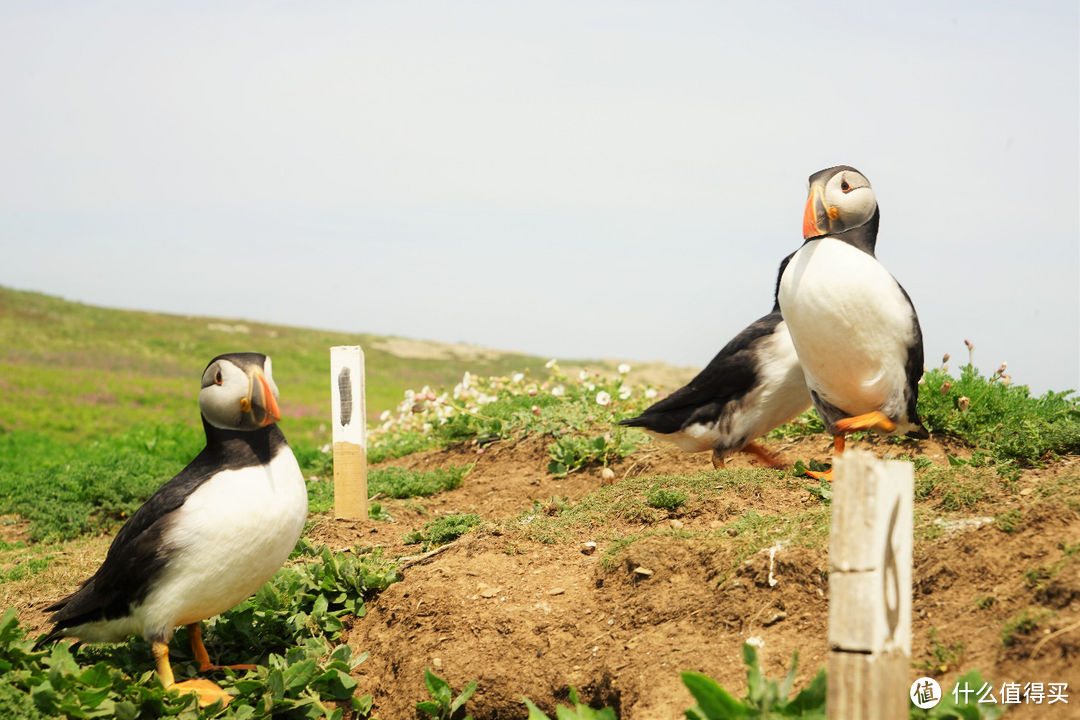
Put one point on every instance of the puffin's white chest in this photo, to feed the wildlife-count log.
(227, 539)
(850, 323)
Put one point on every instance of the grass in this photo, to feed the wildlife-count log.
(1023, 624)
(1010, 428)
(442, 530)
(74, 371)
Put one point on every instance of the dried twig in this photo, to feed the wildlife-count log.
(424, 557)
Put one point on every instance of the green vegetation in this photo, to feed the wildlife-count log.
(764, 698)
(666, 498)
(401, 483)
(108, 370)
(1022, 624)
(577, 711)
(289, 628)
(1009, 428)
(443, 704)
(443, 530)
(942, 656)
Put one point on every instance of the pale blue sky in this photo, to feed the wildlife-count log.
(562, 178)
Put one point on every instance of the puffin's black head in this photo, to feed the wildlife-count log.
(839, 199)
(238, 392)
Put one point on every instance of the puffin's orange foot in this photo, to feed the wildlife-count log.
(764, 455)
(870, 420)
(208, 692)
(825, 475)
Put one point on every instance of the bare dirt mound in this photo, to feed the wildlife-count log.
(529, 619)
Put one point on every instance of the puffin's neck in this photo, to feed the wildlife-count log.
(863, 237)
(258, 445)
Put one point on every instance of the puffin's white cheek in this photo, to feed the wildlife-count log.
(220, 410)
(858, 207)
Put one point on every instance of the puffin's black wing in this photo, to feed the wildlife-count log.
(136, 556)
(729, 376)
(913, 368)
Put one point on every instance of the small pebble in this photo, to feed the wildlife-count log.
(588, 548)
(644, 572)
(556, 591)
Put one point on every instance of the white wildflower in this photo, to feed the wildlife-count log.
(384, 415)
(624, 393)
(583, 375)
(603, 398)
(518, 377)
(558, 391)
(623, 369)
(550, 363)
(651, 393)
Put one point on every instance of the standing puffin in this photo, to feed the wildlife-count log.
(853, 326)
(753, 385)
(208, 538)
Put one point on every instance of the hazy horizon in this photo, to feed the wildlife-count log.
(612, 180)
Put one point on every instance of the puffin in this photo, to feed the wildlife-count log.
(208, 538)
(754, 384)
(854, 327)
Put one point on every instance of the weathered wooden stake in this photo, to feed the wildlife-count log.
(870, 588)
(350, 432)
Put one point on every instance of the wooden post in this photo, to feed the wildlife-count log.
(350, 432)
(870, 588)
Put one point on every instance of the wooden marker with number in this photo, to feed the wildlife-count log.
(870, 588)
(350, 432)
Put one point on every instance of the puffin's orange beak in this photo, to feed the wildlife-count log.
(809, 222)
(263, 403)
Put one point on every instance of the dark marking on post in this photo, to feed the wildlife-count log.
(344, 381)
(891, 574)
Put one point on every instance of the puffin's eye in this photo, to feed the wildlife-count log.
(218, 379)
(845, 187)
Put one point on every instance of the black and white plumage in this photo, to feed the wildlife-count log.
(209, 537)
(754, 384)
(854, 327)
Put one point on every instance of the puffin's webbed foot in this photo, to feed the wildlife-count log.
(838, 444)
(207, 692)
(760, 452)
(868, 421)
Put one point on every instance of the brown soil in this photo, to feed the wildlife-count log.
(529, 619)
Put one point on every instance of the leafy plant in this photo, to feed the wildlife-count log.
(663, 498)
(570, 453)
(443, 530)
(1014, 429)
(942, 656)
(443, 705)
(764, 698)
(55, 682)
(577, 711)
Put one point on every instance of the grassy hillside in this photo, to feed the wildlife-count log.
(72, 371)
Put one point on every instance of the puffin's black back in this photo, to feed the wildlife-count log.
(136, 557)
(729, 376)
